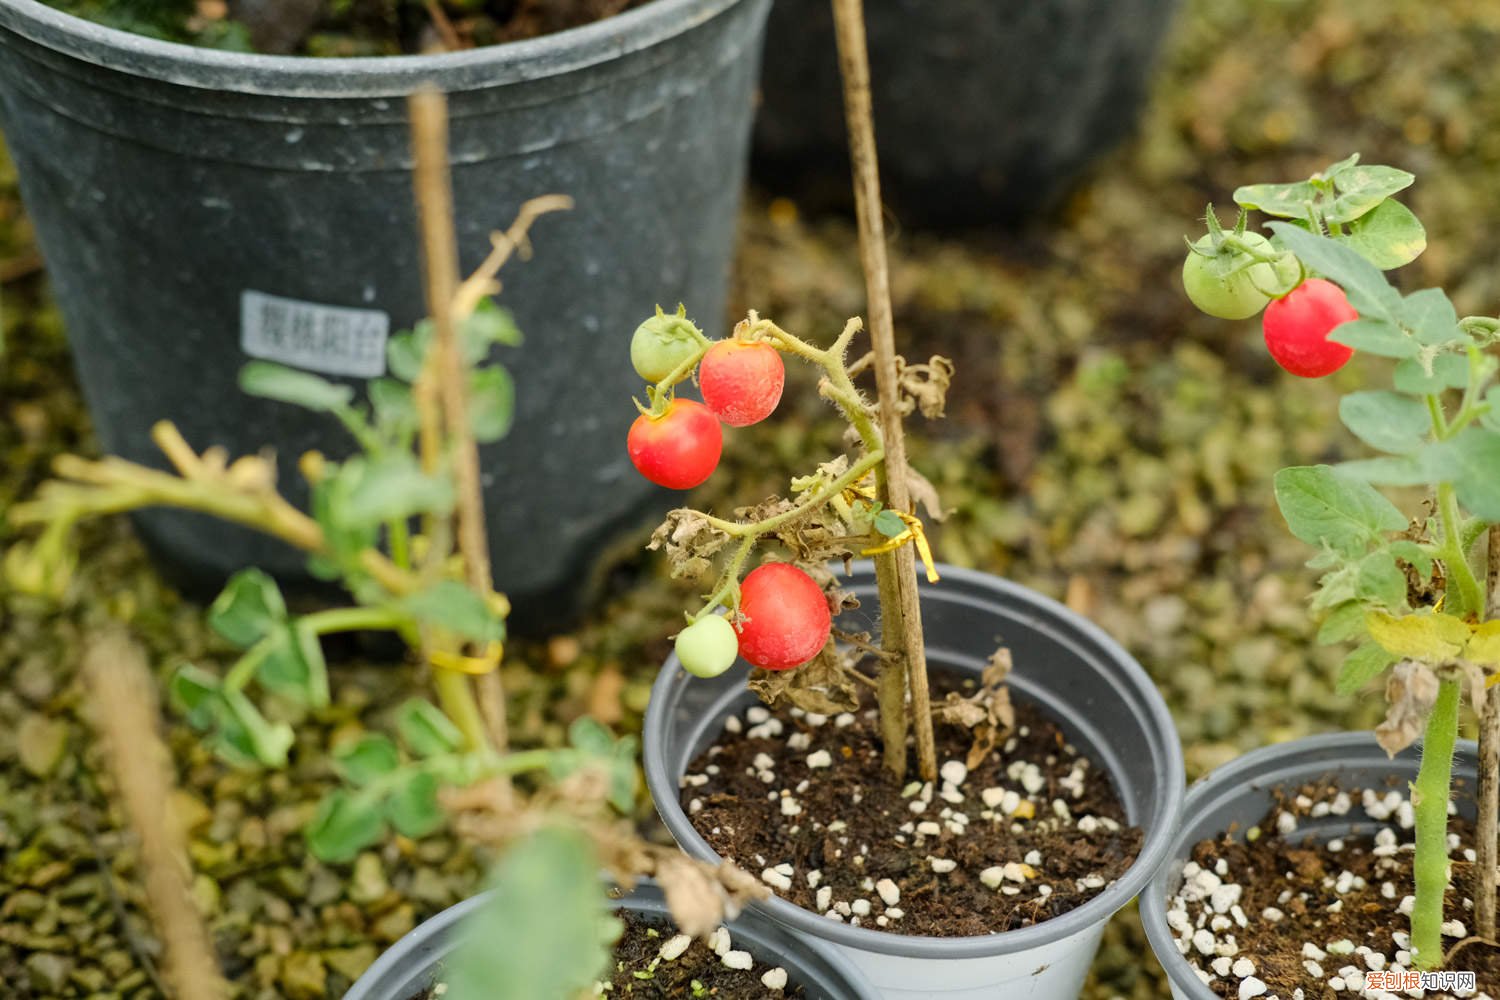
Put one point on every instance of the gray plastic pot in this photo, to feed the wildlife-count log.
(1064, 664)
(411, 963)
(174, 188)
(1239, 795)
(984, 110)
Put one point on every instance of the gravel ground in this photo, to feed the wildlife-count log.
(1106, 445)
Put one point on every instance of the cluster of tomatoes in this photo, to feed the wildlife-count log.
(784, 616)
(1230, 284)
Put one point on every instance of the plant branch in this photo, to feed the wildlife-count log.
(902, 632)
(125, 714)
(429, 120)
(1470, 599)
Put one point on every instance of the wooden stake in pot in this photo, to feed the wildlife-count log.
(1489, 770)
(895, 571)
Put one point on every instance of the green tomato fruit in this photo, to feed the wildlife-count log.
(661, 344)
(708, 647)
(1228, 285)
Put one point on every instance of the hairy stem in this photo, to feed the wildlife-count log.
(1465, 597)
(1430, 795)
(896, 571)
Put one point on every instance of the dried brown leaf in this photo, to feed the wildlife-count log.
(689, 542)
(987, 713)
(822, 686)
(1411, 690)
(693, 894)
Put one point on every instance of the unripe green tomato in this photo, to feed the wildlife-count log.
(708, 647)
(661, 344)
(1222, 286)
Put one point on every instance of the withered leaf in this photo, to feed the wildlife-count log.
(689, 541)
(987, 713)
(821, 686)
(925, 387)
(692, 893)
(1411, 690)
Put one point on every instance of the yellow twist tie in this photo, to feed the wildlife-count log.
(474, 665)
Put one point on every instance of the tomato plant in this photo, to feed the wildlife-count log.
(785, 617)
(679, 448)
(741, 382)
(1297, 326)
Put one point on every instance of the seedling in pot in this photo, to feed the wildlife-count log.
(400, 525)
(1407, 587)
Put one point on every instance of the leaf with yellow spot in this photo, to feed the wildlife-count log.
(1431, 638)
(1484, 645)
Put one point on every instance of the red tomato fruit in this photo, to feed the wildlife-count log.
(786, 617)
(1297, 327)
(678, 449)
(741, 382)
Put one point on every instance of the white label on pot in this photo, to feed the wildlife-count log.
(331, 339)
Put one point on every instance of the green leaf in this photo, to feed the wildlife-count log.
(284, 669)
(288, 385)
(1431, 637)
(1491, 418)
(395, 412)
(489, 324)
(492, 403)
(367, 758)
(345, 824)
(1362, 666)
(195, 693)
(1386, 420)
(1370, 294)
(1380, 337)
(1362, 190)
(506, 950)
(1323, 507)
(1430, 316)
(1389, 236)
(889, 523)
(1484, 645)
(413, 807)
(330, 500)
(1472, 461)
(591, 737)
(425, 730)
(1345, 622)
(1449, 371)
(406, 350)
(310, 648)
(1288, 201)
(450, 605)
(391, 487)
(1402, 470)
(1419, 556)
(249, 608)
(1380, 581)
(243, 725)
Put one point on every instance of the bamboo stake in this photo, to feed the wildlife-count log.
(125, 713)
(1488, 829)
(429, 126)
(895, 571)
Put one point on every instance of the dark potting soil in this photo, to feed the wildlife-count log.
(353, 28)
(652, 963)
(802, 801)
(1313, 918)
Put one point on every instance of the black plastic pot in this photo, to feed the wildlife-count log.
(984, 110)
(172, 188)
(1238, 796)
(409, 966)
(1063, 663)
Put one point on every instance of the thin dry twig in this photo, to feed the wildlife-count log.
(1487, 851)
(429, 120)
(897, 570)
(125, 714)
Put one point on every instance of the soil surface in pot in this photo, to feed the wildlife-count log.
(356, 28)
(1032, 832)
(654, 962)
(1301, 916)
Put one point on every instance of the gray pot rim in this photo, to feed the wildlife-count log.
(364, 76)
(399, 954)
(1153, 853)
(1259, 766)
